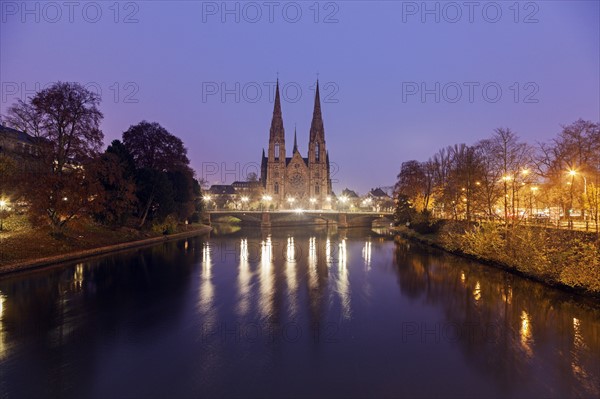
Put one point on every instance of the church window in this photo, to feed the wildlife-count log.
(317, 152)
(277, 151)
(317, 189)
(276, 189)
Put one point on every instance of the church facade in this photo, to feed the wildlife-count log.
(296, 181)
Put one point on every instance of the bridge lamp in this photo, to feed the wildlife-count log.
(344, 199)
(206, 198)
(291, 200)
(244, 199)
(313, 200)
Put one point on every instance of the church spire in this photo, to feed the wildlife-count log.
(277, 121)
(295, 141)
(317, 130)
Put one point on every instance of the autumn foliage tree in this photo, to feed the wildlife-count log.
(65, 116)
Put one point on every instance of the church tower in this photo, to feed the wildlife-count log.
(296, 182)
(276, 154)
(318, 158)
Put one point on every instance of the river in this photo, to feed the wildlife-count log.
(292, 312)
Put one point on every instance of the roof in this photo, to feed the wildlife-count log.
(378, 193)
(222, 189)
(245, 184)
(289, 159)
(16, 135)
(349, 193)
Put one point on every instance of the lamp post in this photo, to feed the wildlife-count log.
(291, 200)
(343, 200)
(313, 201)
(244, 202)
(267, 199)
(207, 199)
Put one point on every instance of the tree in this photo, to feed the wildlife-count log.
(160, 160)
(153, 147)
(573, 158)
(66, 117)
(415, 180)
(512, 157)
(117, 199)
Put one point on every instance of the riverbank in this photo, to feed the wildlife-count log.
(29, 248)
(568, 260)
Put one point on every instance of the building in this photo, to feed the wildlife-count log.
(297, 182)
(17, 144)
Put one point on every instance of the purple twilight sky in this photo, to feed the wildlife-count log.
(398, 80)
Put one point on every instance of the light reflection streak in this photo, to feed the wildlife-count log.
(343, 282)
(244, 277)
(290, 275)
(312, 262)
(78, 276)
(3, 348)
(525, 333)
(266, 277)
(366, 253)
(477, 291)
(206, 285)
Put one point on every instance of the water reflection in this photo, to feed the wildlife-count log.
(266, 278)
(519, 332)
(207, 288)
(290, 275)
(244, 277)
(366, 253)
(3, 348)
(281, 312)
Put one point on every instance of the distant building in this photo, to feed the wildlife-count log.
(17, 144)
(293, 182)
(379, 200)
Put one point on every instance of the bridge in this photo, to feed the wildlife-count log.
(301, 217)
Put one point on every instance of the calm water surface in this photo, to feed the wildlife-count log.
(292, 313)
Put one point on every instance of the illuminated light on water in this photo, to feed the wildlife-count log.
(507, 296)
(343, 282)
(328, 259)
(312, 263)
(525, 333)
(342, 254)
(3, 348)
(185, 245)
(266, 277)
(290, 250)
(463, 278)
(244, 277)
(207, 288)
(366, 253)
(78, 276)
(477, 291)
(290, 275)
(578, 369)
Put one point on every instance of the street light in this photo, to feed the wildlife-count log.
(343, 200)
(267, 199)
(291, 200)
(207, 198)
(244, 201)
(313, 201)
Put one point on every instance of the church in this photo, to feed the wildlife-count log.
(297, 182)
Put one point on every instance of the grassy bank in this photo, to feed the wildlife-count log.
(565, 259)
(24, 244)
